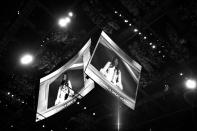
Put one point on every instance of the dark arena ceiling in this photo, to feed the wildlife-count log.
(159, 34)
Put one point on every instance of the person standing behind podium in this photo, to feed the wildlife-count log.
(112, 73)
(65, 90)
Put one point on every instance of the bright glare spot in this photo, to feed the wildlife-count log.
(8, 93)
(118, 126)
(115, 12)
(126, 21)
(190, 83)
(164, 56)
(94, 114)
(139, 33)
(64, 21)
(12, 95)
(181, 74)
(70, 14)
(67, 20)
(84, 108)
(135, 30)
(26, 59)
(43, 126)
(153, 46)
(130, 24)
(11, 126)
(77, 103)
(150, 43)
(118, 122)
(145, 37)
(159, 51)
(120, 15)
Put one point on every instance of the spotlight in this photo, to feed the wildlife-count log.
(115, 12)
(145, 37)
(153, 46)
(126, 21)
(70, 14)
(120, 15)
(190, 83)
(84, 108)
(93, 114)
(181, 74)
(135, 30)
(130, 24)
(26, 59)
(78, 103)
(139, 33)
(64, 21)
(150, 43)
(8, 93)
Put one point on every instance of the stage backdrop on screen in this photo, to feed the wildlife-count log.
(64, 86)
(115, 71)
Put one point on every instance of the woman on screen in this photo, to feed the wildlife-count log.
(65, 90)
(112, 73)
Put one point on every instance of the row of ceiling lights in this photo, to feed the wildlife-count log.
(136, 30)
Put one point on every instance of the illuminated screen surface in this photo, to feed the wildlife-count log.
(116, 72)
(62, 87)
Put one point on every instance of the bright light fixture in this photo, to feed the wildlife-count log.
(126, 21)
(70, 14)
(135, 30)
(64, 21)
(26, 59)
(190, 83)
(153, 46)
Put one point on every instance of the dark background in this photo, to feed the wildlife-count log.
(163, 101)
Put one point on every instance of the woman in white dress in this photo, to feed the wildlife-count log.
(112, 73)
(65, 90)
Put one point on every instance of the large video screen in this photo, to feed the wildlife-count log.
(64, 86)
(116, 72)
